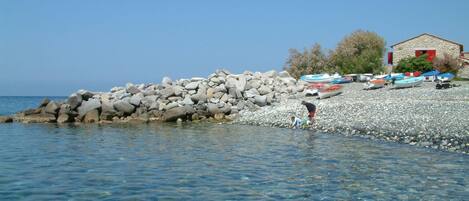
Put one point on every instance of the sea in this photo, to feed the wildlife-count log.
(207, 161)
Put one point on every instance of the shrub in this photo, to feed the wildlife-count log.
(360, 52)
(309, 61)
(447, 63)
(412, 64)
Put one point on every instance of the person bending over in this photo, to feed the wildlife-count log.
(311, 110)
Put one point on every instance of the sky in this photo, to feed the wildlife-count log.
(58, 47)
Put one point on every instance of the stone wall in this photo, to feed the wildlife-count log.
(407, 49)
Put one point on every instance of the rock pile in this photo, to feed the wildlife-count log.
(219, 96)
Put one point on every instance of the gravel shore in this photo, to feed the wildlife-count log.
(420, 116)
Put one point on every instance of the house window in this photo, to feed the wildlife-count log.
(431, 54)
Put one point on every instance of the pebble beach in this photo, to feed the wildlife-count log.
(421, 116)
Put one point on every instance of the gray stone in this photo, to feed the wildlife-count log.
(87, 106)
(149, 100)
(132, 89)
(213, 109)
(254, 83)
(107, 106)
(52, 108)
(124, 106)
(263, 90)
(64, 118)
(74, 100)
(187, 101)
(91, 116)
(171, 105)
(260, 100)
(167, 92)
(85, 95)
(65, 109)
(136, 99)
(192, 86)
(251, 93)
(178, 90)
(174, 113)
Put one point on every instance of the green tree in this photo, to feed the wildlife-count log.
(412, 64)
(359, 52)
(310, 61)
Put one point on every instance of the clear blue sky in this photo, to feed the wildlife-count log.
(57, 47)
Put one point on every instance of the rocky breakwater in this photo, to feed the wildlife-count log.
(220, 97)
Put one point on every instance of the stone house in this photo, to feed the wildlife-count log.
(464, 71)
(429, 44)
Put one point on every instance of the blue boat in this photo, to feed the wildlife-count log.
(409, 82)
(317, 78)
(446, 76)
(395, 76)
(430, 75)
(342, 80)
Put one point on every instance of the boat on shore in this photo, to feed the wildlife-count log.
(375, 84)
(430, 76)
(342, 80)
(330, 91)
(445, 77)
(313, 89)
(394, 76)
(409, 82)
(317, 78)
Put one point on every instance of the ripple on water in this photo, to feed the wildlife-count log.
(218, 162)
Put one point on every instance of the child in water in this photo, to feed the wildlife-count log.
(299, 123)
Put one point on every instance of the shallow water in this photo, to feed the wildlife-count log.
(217, 162)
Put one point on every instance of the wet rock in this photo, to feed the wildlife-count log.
(6, 119)
(174, 113)
(87, 106)
(38, 118)
(52, 108)
(64, 118)
(91, 116)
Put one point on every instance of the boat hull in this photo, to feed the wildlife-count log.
(409, 82)
(333, 90)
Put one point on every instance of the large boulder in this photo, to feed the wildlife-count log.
(64, 118)
(188, 101)
(132, 89)
(91, 116)
(147, 101)
(124, 106)
(52, 108)
(135, 100)
(261, 100)
(85, 95)
(263, 90)
(254, 83)
(65, 109)
(167, 92)
(192, 86)
(87, 106)
(174, 114)
(171, 105)
(251, 93)
(270, 74)
(213, 109)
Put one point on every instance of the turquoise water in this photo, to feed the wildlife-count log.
(217, 162)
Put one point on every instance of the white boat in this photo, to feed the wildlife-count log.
(409, 82)
(317, 78)
(365, 77)
(330, 91)
(375, 84)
